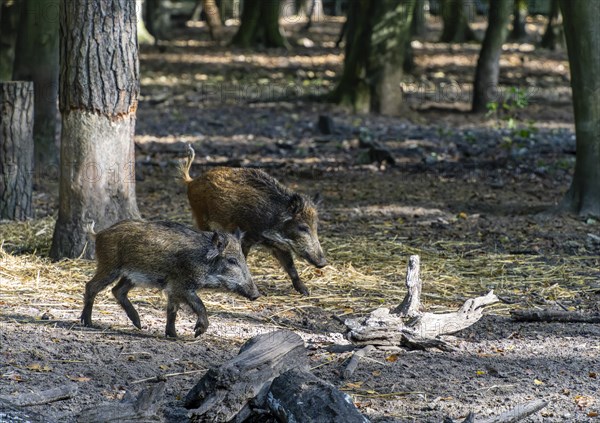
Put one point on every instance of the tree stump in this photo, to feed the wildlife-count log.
(224, 393)
(16, 145)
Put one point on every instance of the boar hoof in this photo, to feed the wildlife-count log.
(171, 334)
(200, 328)
(302, 289)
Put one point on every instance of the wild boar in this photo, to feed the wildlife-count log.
(268, 212)
(172, 257)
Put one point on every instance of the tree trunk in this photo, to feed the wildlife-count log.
(377, 36)
(580, 20)
(260, 25)
(418, 27)
(553, 35)
(518, 32)
(213, 18)
(36, 59)
(98, 100)
(16, 145)
(485, 87)
(9, 23)
(456, 25)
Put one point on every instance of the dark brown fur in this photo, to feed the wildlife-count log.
(268, 212)
(169, 256)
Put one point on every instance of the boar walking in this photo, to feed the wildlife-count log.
(172, 257)
(268, 212)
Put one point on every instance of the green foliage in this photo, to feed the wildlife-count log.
(507, 116)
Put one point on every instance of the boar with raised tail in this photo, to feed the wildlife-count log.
(268, 212)
(172, 257)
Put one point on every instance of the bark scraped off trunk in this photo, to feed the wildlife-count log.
(98, 100)
(223, 394)
(16, 149)
(299, 396)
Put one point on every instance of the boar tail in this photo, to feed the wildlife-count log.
(89, 228)
(184, 167)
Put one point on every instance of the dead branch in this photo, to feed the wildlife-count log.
(518, 413)
(43, 397)
(411, 305)
(355, 359)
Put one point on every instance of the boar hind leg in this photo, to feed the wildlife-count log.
(287, 261)
(120, 292)
(172, 308)
(100, 281)
(198, 307)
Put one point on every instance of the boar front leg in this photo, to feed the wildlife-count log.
(192, 299)
(120, 292)
(286, 259)
(100, 281)
(172, 308)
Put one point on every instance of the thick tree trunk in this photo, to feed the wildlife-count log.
(456, 24)
(378, 33)
(518, 32)
(16, 149)
(213, 18)
(485, 87)
(36, 59)
(98, 100)
(9, 23)
(260, 25)
(417, 27)
(553, 35)
(580, 20)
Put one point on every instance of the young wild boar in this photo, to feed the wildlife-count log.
(268, 212)
(172, 257)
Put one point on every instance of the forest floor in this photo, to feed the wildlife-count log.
(472, 195)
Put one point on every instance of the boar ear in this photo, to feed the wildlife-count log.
(217, 245)
(318, 199)
(239, 234)
(296, 204)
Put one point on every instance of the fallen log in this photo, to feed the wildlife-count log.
(224, 393)
(513, 415)
(408, 326)
(28, 399)
(299, 396)
(10, 412)
(561, 316)
(142, 408)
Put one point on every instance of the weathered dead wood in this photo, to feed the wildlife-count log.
(353, 363)
(224, 393)
(10, 412)
(513, 415)
(43, 397)
(411, 305)
(142, 408)
(410, 327)
(561, 316)
(299, 396)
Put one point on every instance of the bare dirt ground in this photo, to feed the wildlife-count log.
(471, 195)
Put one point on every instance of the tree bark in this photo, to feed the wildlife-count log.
(485, 87)
(580, 20)
(518, 32)
(213, 19)
(378, 33)
(36, 59)
(418, 27)
(455, 19)
(16, 148)
(9, 23)
(260, 25)
(98, 100)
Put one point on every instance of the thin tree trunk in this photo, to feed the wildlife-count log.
(143, 35)
(485, 87)
(580, 20)
(553, 35)
(519, 32)
(16, 145)
(98, 100)
(36, 59)
(456, 25)
(378, 33)
(9, 23)
(417, 27)
(260, 25)
(213, 18)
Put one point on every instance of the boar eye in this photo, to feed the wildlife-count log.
(303, 228)
(233, 261)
